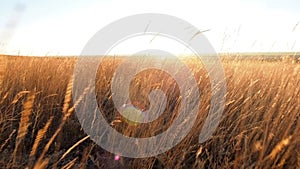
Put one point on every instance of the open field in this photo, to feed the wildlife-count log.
(260, 126)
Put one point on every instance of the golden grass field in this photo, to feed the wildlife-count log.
(260, 126)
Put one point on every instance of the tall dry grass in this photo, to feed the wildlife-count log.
(259, 127)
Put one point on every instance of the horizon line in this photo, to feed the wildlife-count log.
(220, 54)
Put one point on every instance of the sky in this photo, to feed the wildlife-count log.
(47, 28)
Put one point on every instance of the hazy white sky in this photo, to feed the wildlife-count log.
(63, 27)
